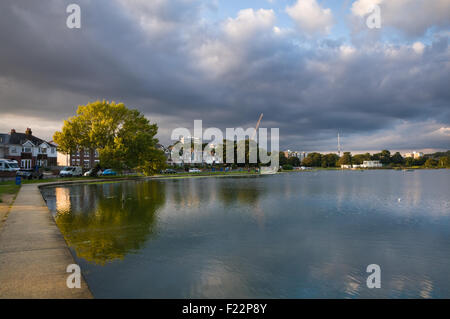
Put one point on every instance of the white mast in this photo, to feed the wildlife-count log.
(339, 145)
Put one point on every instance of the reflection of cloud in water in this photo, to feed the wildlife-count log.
(291, 235)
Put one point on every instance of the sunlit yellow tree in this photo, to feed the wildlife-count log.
(124, 138)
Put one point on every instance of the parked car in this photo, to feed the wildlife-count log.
(194, 170)
(31, 173)
(71, 171)
(109, 172)
(8, 165)
(169, 171)
(92, 172)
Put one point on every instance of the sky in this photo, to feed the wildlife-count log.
(314, 68)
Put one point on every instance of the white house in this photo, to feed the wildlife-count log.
(371, 164)
(27, 149)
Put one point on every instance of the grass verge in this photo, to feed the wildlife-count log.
(9, 188)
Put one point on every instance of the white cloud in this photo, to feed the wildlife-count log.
(418, 47)
(347, 51)
(218, 55)
(248, 22)
(310, 17)
(362, 7)
(413, 17)
(158, 17)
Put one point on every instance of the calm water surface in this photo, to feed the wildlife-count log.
(299, 235)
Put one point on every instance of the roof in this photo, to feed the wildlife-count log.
(20, 138)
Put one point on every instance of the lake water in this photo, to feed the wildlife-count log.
(297, 235)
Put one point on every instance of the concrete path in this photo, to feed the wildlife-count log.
(33, 253)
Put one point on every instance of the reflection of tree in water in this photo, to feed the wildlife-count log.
(244, 192)
(121, 221)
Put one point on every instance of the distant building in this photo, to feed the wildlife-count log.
(365, 164)
(371, 164)
(82, 157)
(414, 155)
(300, 155)
(192, 156)
(27, 149)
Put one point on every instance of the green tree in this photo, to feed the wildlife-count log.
(385, 157)
(124, 138)
(397, 158)
(330, 160)
(313, 160)
(430, 163)
(282, 159)
(409, 161)
(360, 158)
(444, 161)
(294, 161)
(346, 159)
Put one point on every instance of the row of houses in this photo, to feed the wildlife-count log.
(27, 149)
(365, 164)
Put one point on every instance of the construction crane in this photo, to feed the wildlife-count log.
(257, 125)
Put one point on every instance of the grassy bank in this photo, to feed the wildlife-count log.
(8, 188)
(11, 188)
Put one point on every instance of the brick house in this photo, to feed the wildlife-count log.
(84, 158)
(27, 149)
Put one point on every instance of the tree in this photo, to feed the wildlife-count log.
(294, 161)
(330, 160)
(346, 159)
(431, 163)
(385, 157)
(282, 159)
(444, 161)
(360, 158)
(313, 160)
(124, 138)
(397, 158)
(409, 161)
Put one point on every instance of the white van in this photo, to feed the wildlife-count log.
(71, 171)
(8, 165)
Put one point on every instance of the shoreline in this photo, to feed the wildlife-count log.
(33, 252)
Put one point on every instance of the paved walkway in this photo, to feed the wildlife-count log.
(33, 253)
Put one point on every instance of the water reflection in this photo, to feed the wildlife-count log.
(306, 235)
(105, 222)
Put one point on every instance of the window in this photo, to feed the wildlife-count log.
(13, 150)
(53, 150)
(43, 150)
(26, 163)
(26, 150)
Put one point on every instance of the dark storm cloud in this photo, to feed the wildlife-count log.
(163, 60)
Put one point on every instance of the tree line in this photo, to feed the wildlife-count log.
(435, 160)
